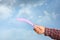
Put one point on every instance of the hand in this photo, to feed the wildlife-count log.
(39, 29)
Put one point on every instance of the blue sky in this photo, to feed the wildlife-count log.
(41, 12)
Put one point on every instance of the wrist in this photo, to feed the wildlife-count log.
(43, 30)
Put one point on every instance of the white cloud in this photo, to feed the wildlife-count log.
(8, 2)
(34, 4)
(31, 17)
(22, 5)
(51, 15)
(39, 16)
(24, 10)
(17, 34)
(46, 13)
(44, 19)
(38, 4)
(54, 15)
(12, 2)
(48, 17)
(5, 12)
(8, 34)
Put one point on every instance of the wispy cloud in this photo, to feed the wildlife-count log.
(54, 15)
(33, 3)
(24, 11)
(38, 4)
(19, 2)
(8, 2)
(7, 34)
(17, 34)
(5, 12)
(47, 17)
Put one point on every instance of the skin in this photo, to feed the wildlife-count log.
(39, 29)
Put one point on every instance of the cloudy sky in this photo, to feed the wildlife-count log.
(41, 12)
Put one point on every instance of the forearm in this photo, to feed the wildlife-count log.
(53, 33)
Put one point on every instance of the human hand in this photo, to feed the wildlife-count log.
(39, 29)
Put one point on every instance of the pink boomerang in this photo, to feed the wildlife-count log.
(25, 20)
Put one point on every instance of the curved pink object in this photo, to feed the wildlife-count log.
(25, 20)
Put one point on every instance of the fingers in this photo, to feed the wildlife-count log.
(36, 29)
(39, 29)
